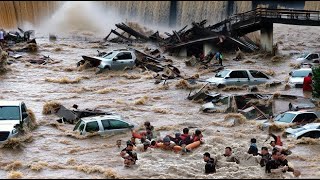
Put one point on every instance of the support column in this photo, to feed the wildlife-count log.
(207, 47)
(183, 52)
(266, 37)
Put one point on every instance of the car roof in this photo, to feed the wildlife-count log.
(10, 103)
(312, 125)
(303, 69)
(101, 117)
(300, 112)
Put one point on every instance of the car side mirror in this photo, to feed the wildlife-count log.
(115, 58)
(290, 73)
(227, 77)
(24, 115)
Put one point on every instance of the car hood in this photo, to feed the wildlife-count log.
(7, 125)
(296, 80)
(102, 59)
(215, 80)
(300, 59)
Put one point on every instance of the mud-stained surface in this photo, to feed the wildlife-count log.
(52, 150)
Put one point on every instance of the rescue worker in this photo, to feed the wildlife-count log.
(210, 166)
(277, 139)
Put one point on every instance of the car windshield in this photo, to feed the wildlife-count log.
(303, 55)
(222, 74)
(301, 73)
(9, 113)
(77, 125)
(110, 55)
(286, 117)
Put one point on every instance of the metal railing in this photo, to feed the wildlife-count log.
(275, 13)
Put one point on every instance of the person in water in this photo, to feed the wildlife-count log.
(229, 156)
(167, 144)
(265, 156)
(129, 155)
(197, 136)
(185, 138)
(253, 147)
(210, 166)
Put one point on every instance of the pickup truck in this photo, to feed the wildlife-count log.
(13, 115)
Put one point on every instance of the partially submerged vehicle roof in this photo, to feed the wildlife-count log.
(303, 69)
(241, 69)
(95, 118)
(300, 111)
(10, 103)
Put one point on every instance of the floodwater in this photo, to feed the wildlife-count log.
(53, 151)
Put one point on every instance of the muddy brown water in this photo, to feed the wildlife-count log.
(56, 153)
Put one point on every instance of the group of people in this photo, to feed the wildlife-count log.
(276, 162)
(147, 140)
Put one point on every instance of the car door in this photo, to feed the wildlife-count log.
(233, 78)
(257, 77)
(24, 114)
(124, 59)
(116, 61)
(240, 77)
(92, 127)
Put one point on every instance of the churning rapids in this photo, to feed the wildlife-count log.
(53, 151)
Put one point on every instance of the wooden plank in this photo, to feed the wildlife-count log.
(123, 37)
(129, 30)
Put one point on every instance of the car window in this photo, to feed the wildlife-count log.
(105, 124)
(116, 124)
(301, 73)
(258, 74)
(9, 113)
(239, 74)
(92, 126)
(312, 56)
(286, 117)
(305, 118)
(311, 134)
(222, 74)
(124, 55)
(77, 125)
(81, 127)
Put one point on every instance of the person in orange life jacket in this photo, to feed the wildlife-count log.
(307, 82)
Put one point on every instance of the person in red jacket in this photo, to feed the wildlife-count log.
(307, 81)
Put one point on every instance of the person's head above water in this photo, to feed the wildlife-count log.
(253, 140)
(185, 131)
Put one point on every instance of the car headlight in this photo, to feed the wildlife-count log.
(14, 131)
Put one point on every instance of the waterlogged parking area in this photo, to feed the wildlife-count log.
(53, 150)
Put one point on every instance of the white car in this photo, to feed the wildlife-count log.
(240, 77)
(297, 76)
(103, 124)
(297, 117)
(12, 115)
(311, 130)
(309, 58)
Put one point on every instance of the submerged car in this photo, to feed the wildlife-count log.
(311, 130)
(297, 76)
(239, 77)
(296, 117)
(13, 115)
(114, 60)
(104, 124)
(309, 58)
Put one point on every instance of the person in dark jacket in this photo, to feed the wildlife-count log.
(253, 147)
(210, 166)
(265, 156)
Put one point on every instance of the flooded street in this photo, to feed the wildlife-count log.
(53, 151)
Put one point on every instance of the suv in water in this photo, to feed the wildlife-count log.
(13, 115)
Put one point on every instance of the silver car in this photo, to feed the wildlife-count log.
(297, 76)
(104, 124)
(240, 77)
(311, 130)
(309, 58)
